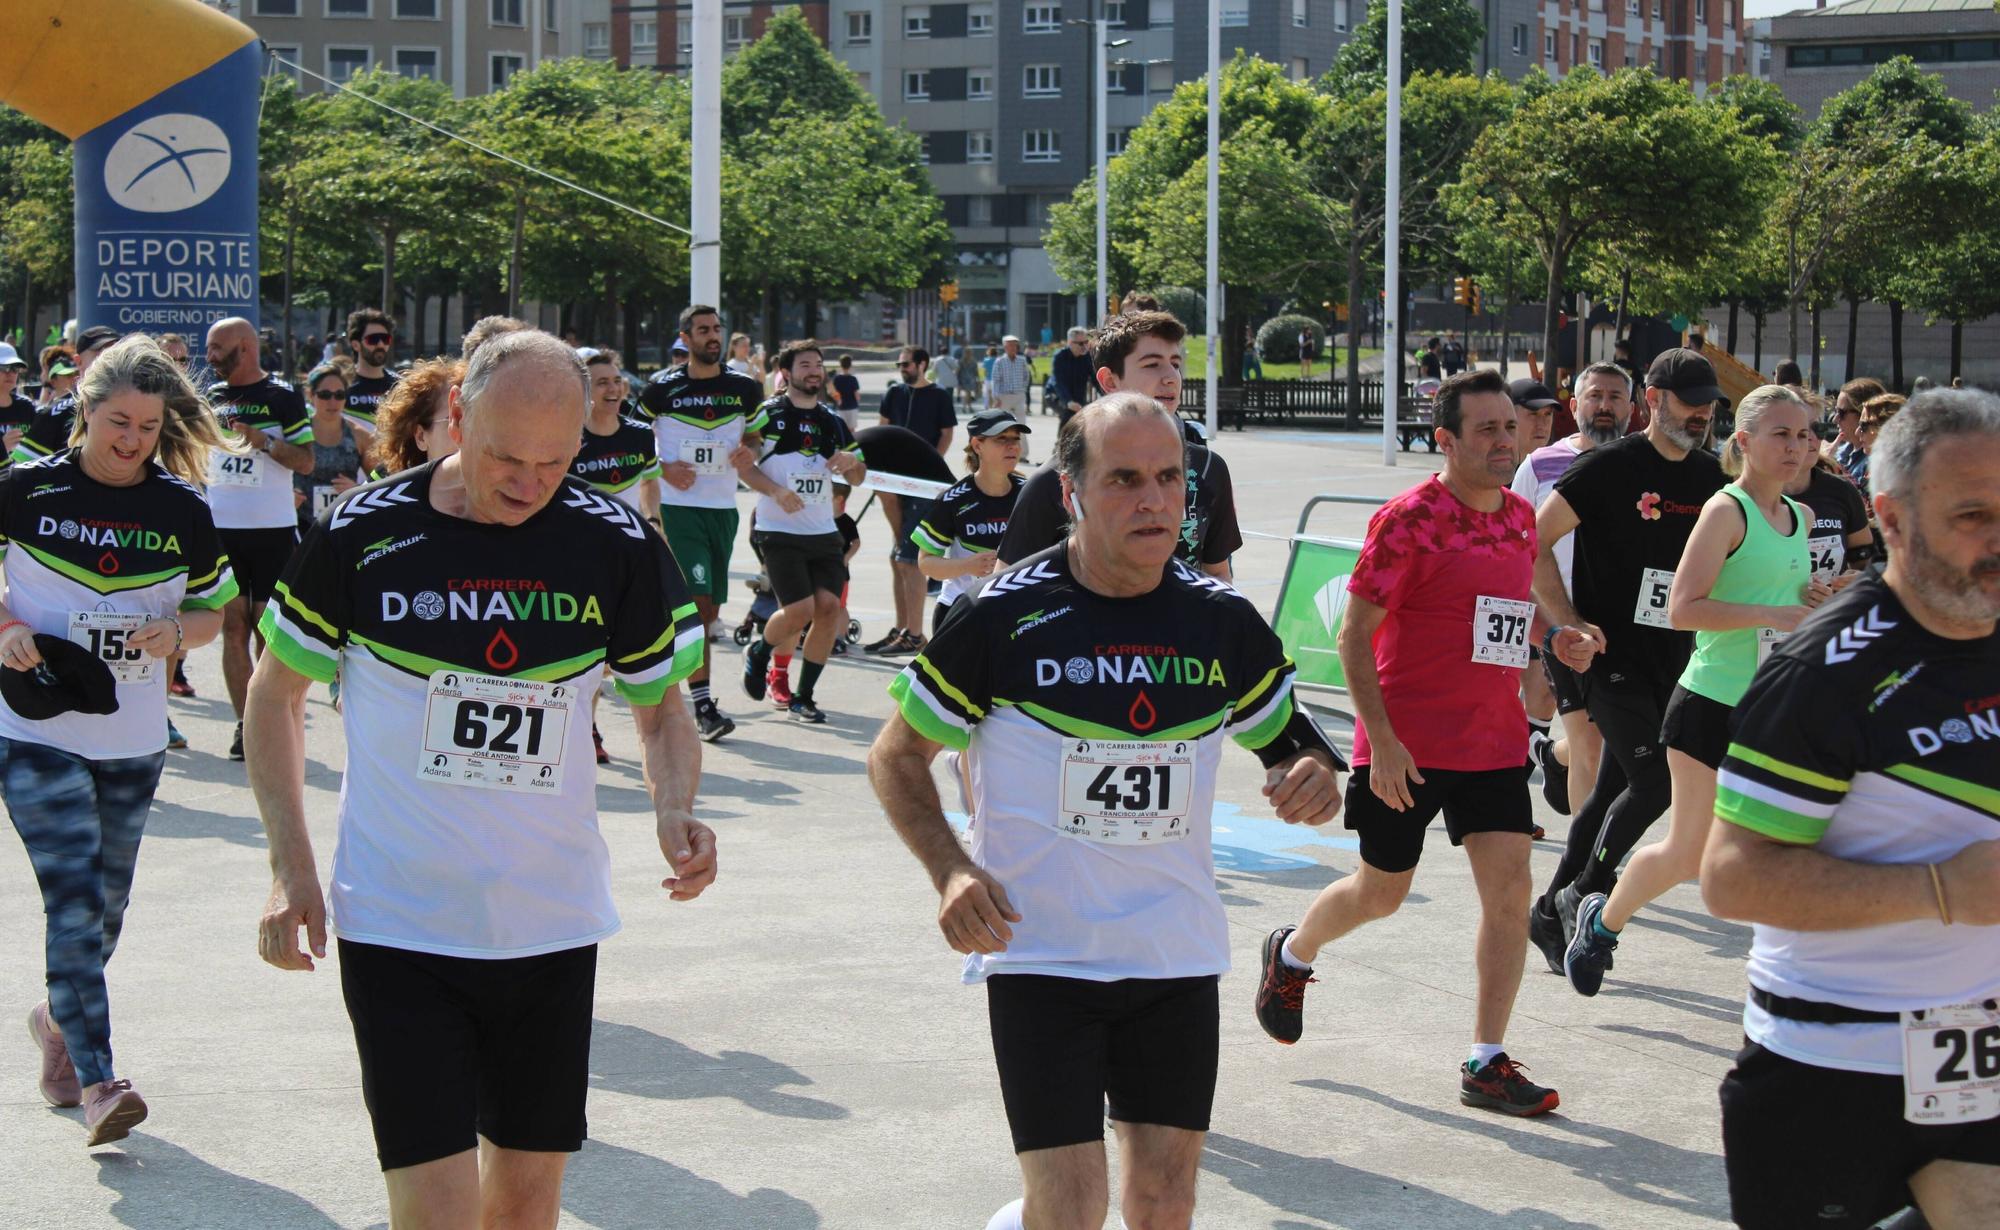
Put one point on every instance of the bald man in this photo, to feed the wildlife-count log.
(251, 495)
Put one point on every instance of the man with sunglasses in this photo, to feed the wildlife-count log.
(926, 411)
(372, 335)
(49, 433)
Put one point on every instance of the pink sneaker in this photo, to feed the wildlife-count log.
(111, 1110)
(780, 688)
(59, 1087)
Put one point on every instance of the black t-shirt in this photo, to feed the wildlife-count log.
(850, 533)
(365, 394)
(847, 389)
(18, 414)
(926, 411)
(1209, 533)
(48, 431)
(1838, 511)
(1635, 511)
(896, 450)
(619, 462)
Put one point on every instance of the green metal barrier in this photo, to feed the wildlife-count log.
(1313, 596)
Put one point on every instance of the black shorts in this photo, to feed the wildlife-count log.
(1696, 726)
(455, 1048)
(1483, 801)
(914, 512)
(1571, 689)
(1064, 1046)
(258, 558)
(799, 565)
(1807, 1146)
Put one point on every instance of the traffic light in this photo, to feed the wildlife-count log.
(1340, 311)
(1478, 300)
(948, 293)
(1461, 291)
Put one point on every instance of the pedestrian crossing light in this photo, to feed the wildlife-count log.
(948, 293)
(1461, 291)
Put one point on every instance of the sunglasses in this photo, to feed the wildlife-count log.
(378, 339)
(329, 394)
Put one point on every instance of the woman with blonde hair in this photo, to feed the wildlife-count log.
(93, 608)
(1745, 581)
(410, 421)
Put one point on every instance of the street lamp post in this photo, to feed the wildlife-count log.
(1100, 70)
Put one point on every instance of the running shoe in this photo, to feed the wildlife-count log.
(780, 684)
(176, 741)
(802, 710)
(59, 1087)
(1281, 993)
(881, 646)
(1555, 775)
(111, 1109)
(1546, 931)
(909, 642)
(236, 744)
(597, 741)
(179, 685)
(1499, 1085)
(756, 677)
(710, 722)
(1568, 898)
(1589, 954)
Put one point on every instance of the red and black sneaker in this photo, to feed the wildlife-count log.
(597, 741)
(1281, 993)
(1499, 1085)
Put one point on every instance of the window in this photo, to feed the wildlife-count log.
(916, 85)
(417, 10)
(596, 38)
(1728, 13)
(735, 33)
(1632, 7)
(504, 65)
(645, 33)
(1628, 59)
(1596, 54)
(684, 39)
(1519, 45)
(1041, 81)
(1115, 141)
(1701, 10)
(924, 148)
(347, 8)
(1548, 45)
(1575, 47)
(1299, 14)
(504, 13)
(979, 211)
(278, 8)
(1235, 12)
(1159, 79)
(1041, 18)
(1114, 14)
(860, 29)
(1300, 72)
(1160, 14)
(867, 81)
(1340, 16)
(978, 20)
(549, 17)
(1656, 10)
(344, 62)
(1041, 145)
(978, 85)
(979, 145)
(917, 21)
(282, 57)
(417, 63)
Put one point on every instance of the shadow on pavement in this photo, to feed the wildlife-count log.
(1713, 1007)
(627, 1059)
(618, 1189)
(175, 821)
(162, 1186)
(1668, 1035)
(1730, 940)
(1630, 1166)
(1352, 1198)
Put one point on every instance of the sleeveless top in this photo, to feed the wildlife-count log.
(1766, 569)
(329, 461)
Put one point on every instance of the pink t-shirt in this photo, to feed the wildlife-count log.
(1427, 561)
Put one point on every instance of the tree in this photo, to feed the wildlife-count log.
(37, 212)
(1439, 36)
(1955, 275)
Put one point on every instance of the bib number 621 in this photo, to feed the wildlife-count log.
(480, 726)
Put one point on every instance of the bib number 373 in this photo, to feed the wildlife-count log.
(494, 733)
(1126, 793)
(1951, 1063)
(1500, 631)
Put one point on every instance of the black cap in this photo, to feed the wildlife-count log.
(1193, 432)
(95, 336)
(1687, 375)
(994, 422)
(71, 679)
(1526, 392)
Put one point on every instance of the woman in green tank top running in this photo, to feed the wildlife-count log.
(1744, 583)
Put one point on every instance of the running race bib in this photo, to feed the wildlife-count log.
(1951, 1063)
(233, 471)
(103, 633)
(495, 733)
(1768, 640)
(1500, 631)
(1651, 611)
(814, 488)
(706, 456)
(1829, 556)
(1126, 794)
(322, 499)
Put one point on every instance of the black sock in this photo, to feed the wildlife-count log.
(808, 676)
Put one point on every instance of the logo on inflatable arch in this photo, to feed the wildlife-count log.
(167, 163)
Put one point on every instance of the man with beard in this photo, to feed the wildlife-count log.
(1602, 407)
(1631, 504)
(806, 445)
(373, 336)
(1857, 803)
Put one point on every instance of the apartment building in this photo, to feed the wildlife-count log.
(475, 46)
(1696, 41)
(1817, 53)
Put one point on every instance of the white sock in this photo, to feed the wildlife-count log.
(1008, 1218)
(1482, 1054)
(1285, 953)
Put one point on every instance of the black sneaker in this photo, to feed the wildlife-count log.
(1555, 775)
(803, 710)
(1568, 898)
(1545, 930)
(1281, 993)
(756, 668)
(909, 642)
(895, 634)
(1499, 1085)
(710, 722)
(1589, 954)
(236, 745)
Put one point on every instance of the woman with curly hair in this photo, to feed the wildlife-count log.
(410, 422)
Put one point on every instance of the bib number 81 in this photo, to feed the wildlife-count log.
(478, 726)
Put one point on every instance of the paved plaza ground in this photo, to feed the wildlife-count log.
(794, 1049)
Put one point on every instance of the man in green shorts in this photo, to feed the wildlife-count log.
(701, 414)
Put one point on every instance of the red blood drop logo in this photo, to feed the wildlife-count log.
(107, 563)
(501, 652)
(1142, 715)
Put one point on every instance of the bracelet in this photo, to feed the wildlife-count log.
(180, 634)
(1937, 886)
(13, 623)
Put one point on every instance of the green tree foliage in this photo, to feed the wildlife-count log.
(1439, 36)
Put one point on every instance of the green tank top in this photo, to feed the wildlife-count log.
(1766, 569)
